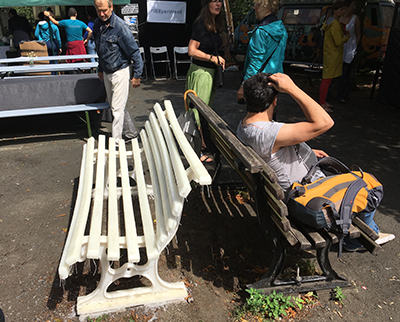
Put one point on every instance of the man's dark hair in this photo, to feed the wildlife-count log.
(258, 94)
(13, 12)
(72, 12)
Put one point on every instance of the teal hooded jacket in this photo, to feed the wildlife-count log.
(263, 41)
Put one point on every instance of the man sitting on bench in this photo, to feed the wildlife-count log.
(282, 145)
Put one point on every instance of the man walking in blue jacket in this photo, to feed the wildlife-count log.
(117, 49)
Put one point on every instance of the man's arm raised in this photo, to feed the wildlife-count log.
(47, 14)
(318, 122)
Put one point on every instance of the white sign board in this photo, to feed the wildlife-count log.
(130, 9)
(166, 11)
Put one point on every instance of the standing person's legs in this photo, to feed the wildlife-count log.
(323, 90)
(91, 49)
(117, 89)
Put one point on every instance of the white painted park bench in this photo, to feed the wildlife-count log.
(109, 217)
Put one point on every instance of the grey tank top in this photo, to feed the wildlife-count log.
(286, 162)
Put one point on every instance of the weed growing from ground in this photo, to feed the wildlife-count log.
(271, 307)
(338, 295)
(98, 319)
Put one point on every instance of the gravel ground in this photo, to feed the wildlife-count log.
(219, 246)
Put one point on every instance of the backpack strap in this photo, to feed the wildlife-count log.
(327, 162)
(346, 209)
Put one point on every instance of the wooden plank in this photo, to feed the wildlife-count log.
(223, 130)
(304, 243)
(365, 228)
(266, 168)
(289, 235)
(332, 237)
(312, 235)
(368, 243)
(354, 232)
(273, 187)
(278, 204)
(228, 157)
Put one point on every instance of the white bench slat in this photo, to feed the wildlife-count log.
(165, 167)
(113, 221)
(182, 180)
(130, 225)
(201, 174)
(161, 226)
(147, 222)
(81, 210)
(167, 214)
(97, 211)
(175, 198)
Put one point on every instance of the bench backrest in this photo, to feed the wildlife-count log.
(261, 180)
(242, 158)
(115, 175)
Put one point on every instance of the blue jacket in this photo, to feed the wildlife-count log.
(42, 32)
(263, 41)
(116, 46)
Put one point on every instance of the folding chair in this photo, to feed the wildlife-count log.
(181, 52)
(163, 52)
(144, 74)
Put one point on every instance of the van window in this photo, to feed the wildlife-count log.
(387, 16)
(301, 16)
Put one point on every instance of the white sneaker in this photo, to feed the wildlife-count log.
(384, 238)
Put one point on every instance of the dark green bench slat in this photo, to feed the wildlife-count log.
(303, 241)
(365, 228)
(249, 161)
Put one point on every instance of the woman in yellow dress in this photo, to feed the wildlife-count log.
(334, 38)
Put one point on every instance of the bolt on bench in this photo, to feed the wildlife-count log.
(283, 232)
(113, 217)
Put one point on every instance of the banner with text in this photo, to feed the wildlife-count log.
(166, 11)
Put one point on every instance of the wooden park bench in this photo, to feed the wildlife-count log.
(283, 232)
(128, 208)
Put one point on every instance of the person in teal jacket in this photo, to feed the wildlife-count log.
(48, 32)
(268, 39)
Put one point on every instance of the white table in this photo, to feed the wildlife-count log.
(41, 58)
(23, 69)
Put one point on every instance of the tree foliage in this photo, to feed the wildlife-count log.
(239, 9)
(26, 12)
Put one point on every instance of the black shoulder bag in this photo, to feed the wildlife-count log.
(219, 72)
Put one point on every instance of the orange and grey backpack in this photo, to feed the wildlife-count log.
(345, 194)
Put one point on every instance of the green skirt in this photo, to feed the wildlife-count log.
(201, 80)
